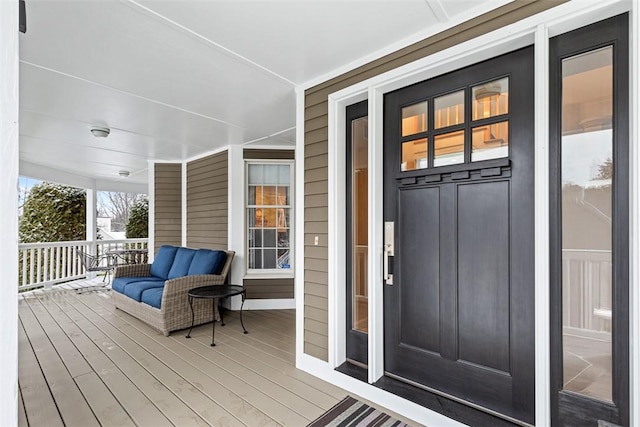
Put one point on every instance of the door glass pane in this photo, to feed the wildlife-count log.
(359, 226)
(414, 118)
(449, 110)
(490, 99)
(587, 188)
(490, 141)
(414, 155)
(449, 149)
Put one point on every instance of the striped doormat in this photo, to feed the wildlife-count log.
(353, 413)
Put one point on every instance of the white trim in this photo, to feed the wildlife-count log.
(270, 304)
(277, 274)
(151, 194)
(415, 412)
(9, 147)
(299, 218)
(634, 214)
(183, 203)
(236, 217)
(375, 236)
(541, 227)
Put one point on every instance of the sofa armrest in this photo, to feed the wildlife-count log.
(132, 270)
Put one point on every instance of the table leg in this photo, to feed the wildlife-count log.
(241, 322)
(221, 310)
(192, 316)
(213, 329)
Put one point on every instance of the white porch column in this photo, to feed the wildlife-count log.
(9, 145)
(91, 225)
(236, 217)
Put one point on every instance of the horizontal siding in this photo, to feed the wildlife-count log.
(316, 149)
(253, 153)
(269, 288)
(208, 202)
(167, 204)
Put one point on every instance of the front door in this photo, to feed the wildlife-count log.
(458, 201)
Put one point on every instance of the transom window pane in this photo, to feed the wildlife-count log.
(268, 216)
(414, 154)
(449, 110)
(449, 148)
(414, 118)
(490, 141)
(490, 99)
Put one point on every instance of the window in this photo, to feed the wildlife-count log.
(269, 236)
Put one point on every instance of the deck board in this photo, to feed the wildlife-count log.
(83, 362)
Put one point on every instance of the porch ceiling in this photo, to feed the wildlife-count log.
(176, 79)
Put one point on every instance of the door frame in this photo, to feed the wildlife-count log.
(537, 30)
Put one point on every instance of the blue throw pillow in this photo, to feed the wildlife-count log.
(181, 263)
(163, 261)
(207, 261)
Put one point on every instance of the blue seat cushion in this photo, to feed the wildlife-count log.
(153, 297)
(207, 261)
(163, 261)
(120, 283)
(181, 263)
(134, 290)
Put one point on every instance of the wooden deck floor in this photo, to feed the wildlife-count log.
(84, 363)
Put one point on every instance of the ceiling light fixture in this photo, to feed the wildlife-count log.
(100, 132)
(123, 173)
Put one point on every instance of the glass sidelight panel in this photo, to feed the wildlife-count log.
(587, 171)
(414, 118)
(449, 110)
(359, 226)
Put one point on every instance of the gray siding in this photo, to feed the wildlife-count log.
(316, 160)
(207, 202)
(167, 204)
(269, 288)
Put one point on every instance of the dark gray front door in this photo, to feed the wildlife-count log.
(458, 187)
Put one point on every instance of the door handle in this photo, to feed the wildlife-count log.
(388, 252)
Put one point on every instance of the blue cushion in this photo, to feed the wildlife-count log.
(207, 261)
(120, 283)
(181, 263)
(134, 290)
(163, 261)
(153, 297)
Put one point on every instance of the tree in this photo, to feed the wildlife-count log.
(137, 226)
(53, 213)
(605, 170)
(118, 206)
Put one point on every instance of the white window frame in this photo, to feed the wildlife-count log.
(273, 272)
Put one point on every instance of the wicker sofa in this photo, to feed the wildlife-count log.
(157, 293)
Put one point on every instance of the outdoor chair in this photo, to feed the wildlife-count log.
(100, 263)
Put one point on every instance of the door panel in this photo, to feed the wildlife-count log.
(459, 318)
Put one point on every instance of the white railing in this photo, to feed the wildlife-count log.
(586, 284)
(45, 264)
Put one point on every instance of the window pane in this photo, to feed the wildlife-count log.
(587, 198)
(252, 197)
(269, 238)
(359, 193)
(449, 149)
(254, 217)
(490, 141)
(414, 118)
(283, 238)
(255, 258)
(269, 195)
(270, 174)
(283, 174)
(255, 238)
(283, 196)
(414, 155)
(255, 174)
(449, 109)
(282, 218)
(490, 99)
(269, 217)
(283, 259)
(269, 258)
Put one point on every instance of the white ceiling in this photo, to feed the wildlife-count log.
(176, 79)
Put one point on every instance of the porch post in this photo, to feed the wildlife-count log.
(9, 145)
(91, 225)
